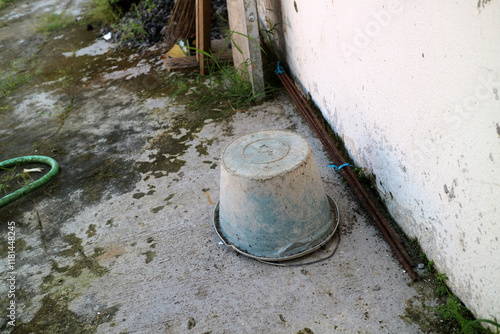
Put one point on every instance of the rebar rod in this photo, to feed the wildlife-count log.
(387, 233)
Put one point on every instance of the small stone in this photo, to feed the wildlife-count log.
(421, 266)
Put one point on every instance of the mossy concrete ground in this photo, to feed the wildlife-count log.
(122, 240)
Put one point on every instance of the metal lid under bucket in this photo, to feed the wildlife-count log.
(272, 203)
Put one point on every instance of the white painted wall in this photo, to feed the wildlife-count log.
(413, 89)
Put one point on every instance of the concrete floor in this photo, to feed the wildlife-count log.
(122, 240)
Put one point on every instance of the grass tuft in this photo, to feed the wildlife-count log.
(132, 30)
(103, 11)
(12, 78)
(455, 313)
(11, 181)
(5, 3)
(225, 84)
(54, 22)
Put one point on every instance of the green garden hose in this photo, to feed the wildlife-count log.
(32, 186)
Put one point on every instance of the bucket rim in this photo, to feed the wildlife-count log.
(316, 245)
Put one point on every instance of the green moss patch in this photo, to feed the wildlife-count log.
(54, 316)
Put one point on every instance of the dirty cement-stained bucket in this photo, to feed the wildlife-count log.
(273, 205)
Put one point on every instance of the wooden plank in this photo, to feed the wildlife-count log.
(203, 31)
(180, 63)
(191, 62)
(244, 23)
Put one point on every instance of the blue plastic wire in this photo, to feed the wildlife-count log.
(279, 69)
(341, 166)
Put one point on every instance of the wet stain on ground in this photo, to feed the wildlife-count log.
(89, 263)
(166, 159)
(78, 171)
(141, 194)
(138, 195)
(157, 209)
(150, 255)
(60, 287)
(4, 246)
(169, 197)
(91, 230)
(83, 261)
(169, 146)
(202, 148)
(66, 321)
(114, 173)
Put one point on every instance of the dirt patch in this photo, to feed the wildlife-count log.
(112, 252)
(420, 308)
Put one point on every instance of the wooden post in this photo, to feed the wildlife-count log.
(244, 23)
(203, 31)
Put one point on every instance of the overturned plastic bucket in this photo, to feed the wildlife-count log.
(273, 205)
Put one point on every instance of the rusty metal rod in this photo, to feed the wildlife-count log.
(388, 234)
(352, 180)
(347, 173)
